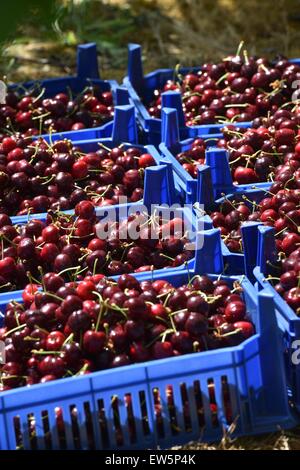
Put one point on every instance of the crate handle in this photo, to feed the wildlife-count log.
(135, 67)
(172, 99)
(124, 126)
(205, 190)
(218, 161)
(159, 186)
(122, 96)
(169, 127)
(87, 61)
(208, 255)
(266, 249)
(250, 246)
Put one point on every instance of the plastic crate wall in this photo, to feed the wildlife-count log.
(288, 321)
(245, 261)
(125, 132)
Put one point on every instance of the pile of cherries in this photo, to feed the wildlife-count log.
(80, 244)
(257, 154)
(280, 208)
(33, 113)
(288, 270)
(36, 176)
(236, 89)
(72, 329)
(194, 156)
(263, 153)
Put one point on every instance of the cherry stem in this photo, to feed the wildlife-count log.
(40, 269)
(45, 353)
(20, 327)
(68, 269)
(54, 296)
(95, 266)
(222, 78)
(69, 339)
(172, 323)
(167, 299)
(31, 278)
(166, 256)
(166, 333)
(83, 369)
(104, 146)
(41, 329)
(272, 278)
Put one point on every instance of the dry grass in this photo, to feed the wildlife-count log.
(289, 440)
(192, 31)
(171, 32)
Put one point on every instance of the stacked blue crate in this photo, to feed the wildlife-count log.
(124, 131)
(118, 409)
(288, 320)
(87, 74)
(141, 88)
(207, 202)
(216, 158)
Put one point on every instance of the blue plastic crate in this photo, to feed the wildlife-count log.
(288, 321)
(215, 157)
(87, 74)
(121, 98)
(124, 131)
(159, 195)
(141, 88)
(94, 408)
(122, 211)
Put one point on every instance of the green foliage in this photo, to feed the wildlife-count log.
(36, 12)
(91, 20)
(170, 31)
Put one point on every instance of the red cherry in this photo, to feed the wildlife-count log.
(8, 144)
(158, 310)
(55, 341)
(79, 170)
(162, 350)
(50, 234)
(290, 243)
(28, 293)
(245, 175)
(235, 311)
(85, 209)
(49, 252)
(146, 160)
(51, 365)
(246, 328)
(85, 290)
(94, 341)
(292, 297)
(139, 353)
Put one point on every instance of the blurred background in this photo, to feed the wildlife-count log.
(38, 38)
